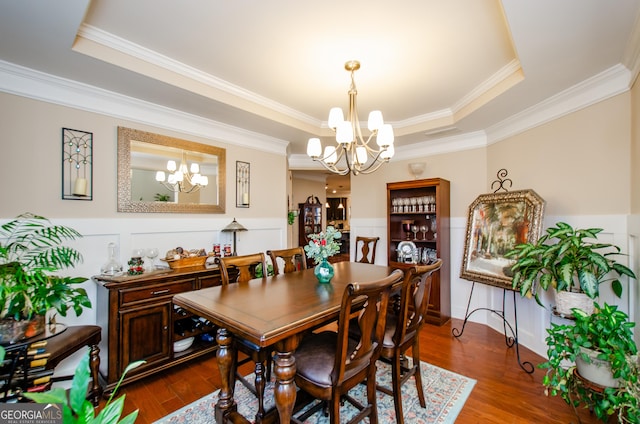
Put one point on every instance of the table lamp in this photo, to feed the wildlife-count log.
(234, 227)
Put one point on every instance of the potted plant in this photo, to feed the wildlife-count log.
(604, 341)
(31, 253)
(77, 409)
(572, 261)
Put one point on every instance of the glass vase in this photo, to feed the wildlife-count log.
(324, 271)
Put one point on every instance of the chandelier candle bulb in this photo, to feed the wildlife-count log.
(314, 147)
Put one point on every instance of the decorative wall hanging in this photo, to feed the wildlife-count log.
(496, 223)
(243, 176)
(77, 165)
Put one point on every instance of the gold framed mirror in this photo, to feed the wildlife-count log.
(157, 173)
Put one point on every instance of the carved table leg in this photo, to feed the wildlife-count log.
(285, 371)
(260, 386)
(226, 357)
(94, 365)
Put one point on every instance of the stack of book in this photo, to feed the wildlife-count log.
(24, 369)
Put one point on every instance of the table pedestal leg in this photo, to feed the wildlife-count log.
(285, 388)
(226, 357)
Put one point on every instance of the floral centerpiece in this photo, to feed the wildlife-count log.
(321, 247)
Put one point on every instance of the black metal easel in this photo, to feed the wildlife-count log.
(512, 340)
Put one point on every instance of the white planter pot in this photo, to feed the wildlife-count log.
(598, 371)
(566, 300)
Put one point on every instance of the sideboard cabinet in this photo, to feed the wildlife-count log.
(418, 228)
(139, 321)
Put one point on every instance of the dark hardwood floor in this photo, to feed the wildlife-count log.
(504, 393)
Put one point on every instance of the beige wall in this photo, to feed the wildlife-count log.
(578, 163)
(31, 146)
(635, 148)
(465, 170)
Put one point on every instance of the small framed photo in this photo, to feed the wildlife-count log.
(496, 223)
(243, 177)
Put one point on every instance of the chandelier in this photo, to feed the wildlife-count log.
(352, 153)
(183, 178)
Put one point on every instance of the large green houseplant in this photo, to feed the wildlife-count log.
(567, 260)
(76, 409)
(31, 255)
(608, 333)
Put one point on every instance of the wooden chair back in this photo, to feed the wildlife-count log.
(414, 302)
(352, 358)
(294, 259)
(365, 245)
(245, 265)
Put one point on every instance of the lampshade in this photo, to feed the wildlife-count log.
(233, 227)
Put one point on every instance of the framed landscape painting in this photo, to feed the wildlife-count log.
(496, 223)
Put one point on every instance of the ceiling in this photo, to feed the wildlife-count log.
(436, 69)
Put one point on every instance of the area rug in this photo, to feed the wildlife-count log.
(445, 393)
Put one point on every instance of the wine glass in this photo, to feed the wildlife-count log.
(406, 227)
(413, 202)
(414, 229)
(434, 228)
(424, 229)
(425, 202)
(151, 253)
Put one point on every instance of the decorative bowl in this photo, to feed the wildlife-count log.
(183, 344)
(186, 262)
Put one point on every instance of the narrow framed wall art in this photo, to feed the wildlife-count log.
(77, 165)
(243, 177)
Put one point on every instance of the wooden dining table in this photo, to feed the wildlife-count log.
(272, 312)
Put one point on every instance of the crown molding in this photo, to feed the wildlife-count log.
(609, 83)
(91, 41)
(438, 146)
(37, 85)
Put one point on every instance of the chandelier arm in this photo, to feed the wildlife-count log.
(168, 186)
(333, 168)
(373, 166)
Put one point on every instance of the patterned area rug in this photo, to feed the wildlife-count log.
(445, 393)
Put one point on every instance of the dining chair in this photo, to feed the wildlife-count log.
(364, 245)
(294, 259)
(402, 331)
(245, 268)
(330, 363)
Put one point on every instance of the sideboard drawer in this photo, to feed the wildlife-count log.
(136, 295)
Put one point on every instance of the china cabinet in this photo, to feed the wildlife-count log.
(418, 230)
(310, 219)
(141, 323)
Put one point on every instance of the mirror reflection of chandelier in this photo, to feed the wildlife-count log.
(183, 178)
(360, 156)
